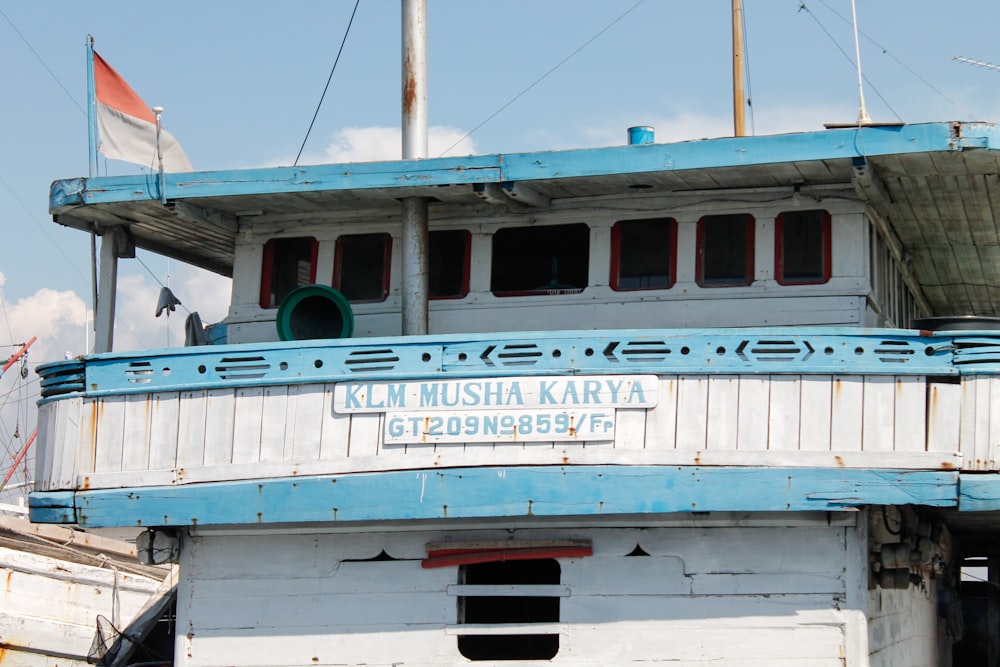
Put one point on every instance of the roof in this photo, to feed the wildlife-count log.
(933, 185)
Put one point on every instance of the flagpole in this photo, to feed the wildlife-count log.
(91, 110)
(158, 111)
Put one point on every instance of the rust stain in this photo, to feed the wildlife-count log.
(409, 90)
(697, 459)
(947, 465)
(839, 460)
(86, 483)
(934, 398)
(836, 387)
(9, 575)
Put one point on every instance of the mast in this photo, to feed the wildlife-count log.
(739, 118)
(415, 255)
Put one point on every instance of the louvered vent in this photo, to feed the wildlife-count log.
(894, 351)
(362, 361)
(139, 372)
(642, 351)
(774, 350)
(521, 354)
(242, 368)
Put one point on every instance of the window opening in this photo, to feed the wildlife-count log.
(802, 248)
(540, 260)
(642, 254)
(448, 259)
(288, 263)
(507, 599)
(725, 250)
(361, 266)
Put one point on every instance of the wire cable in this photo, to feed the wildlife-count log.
(803, 7)
(327, 86)
(541, 78)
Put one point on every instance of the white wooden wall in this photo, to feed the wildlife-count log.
(841, 301)
(752, 596)
(900, 422)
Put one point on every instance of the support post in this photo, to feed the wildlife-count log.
(107, 285)
(415, 234)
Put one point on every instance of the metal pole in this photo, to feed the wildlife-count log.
(739, 118)
(414, 233)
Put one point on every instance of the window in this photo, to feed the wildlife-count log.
(642, 254)
(361, 266)
(802, 247)
(448, 257)
(540, 260)
(507, 598)
(288, 263)
(725, 250)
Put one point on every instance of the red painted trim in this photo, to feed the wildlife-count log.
(748, 259)
(266, 271)
(452, 557)
(338, 256)
(466, 271)
(779, 251)
(614, 280)
(313, 260)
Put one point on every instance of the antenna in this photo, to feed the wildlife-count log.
(863, 118)
(977, 63)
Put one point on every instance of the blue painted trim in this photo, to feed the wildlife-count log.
(650, 158)
(979, 492)
(497, 492)
(669, 351)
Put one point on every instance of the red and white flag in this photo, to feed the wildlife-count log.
(127, 127)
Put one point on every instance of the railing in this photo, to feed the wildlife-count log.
(823, 398)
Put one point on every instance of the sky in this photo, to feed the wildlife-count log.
(241, 80)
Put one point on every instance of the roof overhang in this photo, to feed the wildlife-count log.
(933, 185)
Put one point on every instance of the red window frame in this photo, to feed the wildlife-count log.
(779, 250)
(338, 258)
(466, 268)
(748, 258)
(616, 254)
(267, 267)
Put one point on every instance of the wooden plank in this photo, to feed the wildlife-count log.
(692, 412)
(274, 423)
(969, 425)
(365, 435)
(846, 413)
(944, 405)
(755, 404)
(982, 437)
(247, 424)
(630, 430)
(138, 423)
(814, 423)
(220, 418)
(661, 421)
(783, 415)
(110, 434)
(307, 423)
(336, 430)
(878, 414)
(910, 426)
(163, 440)
(191, 428)
(723, 412)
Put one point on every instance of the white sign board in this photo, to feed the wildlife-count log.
(522, 409)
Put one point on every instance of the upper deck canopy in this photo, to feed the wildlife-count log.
(934, 185)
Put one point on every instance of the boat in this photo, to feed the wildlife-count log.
(731, 401)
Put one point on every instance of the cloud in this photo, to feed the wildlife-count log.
(370, 144)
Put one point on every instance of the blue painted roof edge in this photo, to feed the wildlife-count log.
(498, 492)
(496, 168)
